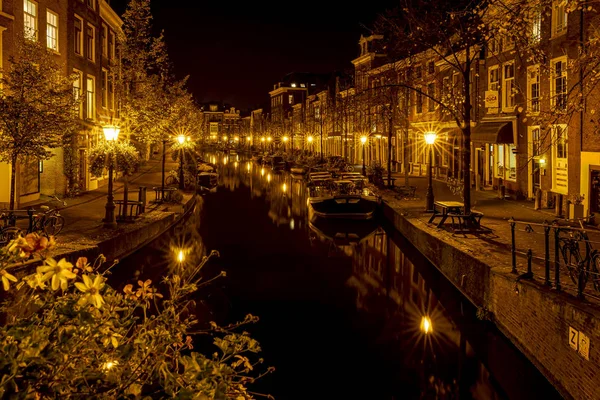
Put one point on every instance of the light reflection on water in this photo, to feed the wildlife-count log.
(341, 305)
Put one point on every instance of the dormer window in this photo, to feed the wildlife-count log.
(293, 85)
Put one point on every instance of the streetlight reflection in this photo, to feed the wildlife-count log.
(426, 326)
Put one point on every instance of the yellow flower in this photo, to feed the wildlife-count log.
(6, 279)
(91, 291)
(60, 272)
(36, 281)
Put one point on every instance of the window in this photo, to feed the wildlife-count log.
(446, 89)
(291, 99)
(533, 89)
(559, 17)
(492, 45)
(430, 67)
(508, 43)
(77, 83)
(419, 102)
(52, 30)
(494, 78)
(111, 45)
(104, 40)
(104, 88)
(431, 95)
(111, 91)
(91, 3)
(536, 25)
(508, 87)
(30, 19)
(78, 36)
(536, 143)
(90, 38)
(560, 140)
(506, 167)
(418, 72)
(558, 83)
(90, 100)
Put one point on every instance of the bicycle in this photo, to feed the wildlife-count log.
(579, 267)
(49, 221)
(8, 231)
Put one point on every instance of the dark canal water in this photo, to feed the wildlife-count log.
(341, 306)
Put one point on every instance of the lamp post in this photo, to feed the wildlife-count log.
(248, 139)
(181, 139)
(262, 139)
(379, 140)
(363, 140)
(430, 140)
(270, 145)
(285, 139)
(310, 139)
(111, 134)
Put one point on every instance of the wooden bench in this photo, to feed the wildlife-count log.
(465, 221)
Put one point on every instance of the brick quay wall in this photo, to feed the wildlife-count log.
(537, 319)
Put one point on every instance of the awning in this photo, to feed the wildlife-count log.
(493, 132)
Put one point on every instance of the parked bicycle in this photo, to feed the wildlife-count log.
(8, 231)
(48, 221)
(581, 264)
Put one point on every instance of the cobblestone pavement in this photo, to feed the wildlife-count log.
(494, 240)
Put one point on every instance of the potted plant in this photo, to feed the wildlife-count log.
(576, 207)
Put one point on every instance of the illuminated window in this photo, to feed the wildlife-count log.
(536, 25)
(90, 39)
(560, 140)
(291, 99)
(52, 30)
(30, 19)
(90, 98)
(78, 23)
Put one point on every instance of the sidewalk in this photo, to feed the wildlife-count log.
(84, 213)
(496, 215)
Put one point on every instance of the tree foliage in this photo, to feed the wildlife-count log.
(123, 157)
(37, 106)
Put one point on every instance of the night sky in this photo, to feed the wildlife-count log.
(236, 51)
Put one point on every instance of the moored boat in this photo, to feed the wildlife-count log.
(342, 200)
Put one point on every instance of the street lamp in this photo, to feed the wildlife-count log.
(430, 140)
(181, 139)
(269, 140)
(262, 139)
(363, 140)
(310, 139)
(111, 134)
(285, 139)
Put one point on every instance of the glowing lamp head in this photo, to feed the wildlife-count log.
(224, 137)
(262, 139)
(430, 137)
(543, 162)
(236, 139)
(378, 136)
(285, 138)
(426, 326)
(363, 139)
(310, 139)
(269, 139)
(111, 133)
(181, 139)
(248, 138)
(180, 256)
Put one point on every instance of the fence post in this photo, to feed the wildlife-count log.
(142, 198)
(547, 253)
(513, 245)
(556, 259)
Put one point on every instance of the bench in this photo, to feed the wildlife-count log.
(466, 220)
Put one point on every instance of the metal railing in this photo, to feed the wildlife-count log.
(559, 246)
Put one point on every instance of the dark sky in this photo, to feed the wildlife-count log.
(236, 51)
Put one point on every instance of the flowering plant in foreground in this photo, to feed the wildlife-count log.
(68, 334)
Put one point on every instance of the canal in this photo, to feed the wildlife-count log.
(346, 310)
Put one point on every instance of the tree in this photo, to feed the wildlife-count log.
(454, 33)
(37, 107)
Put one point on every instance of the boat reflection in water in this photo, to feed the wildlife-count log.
(341, 236)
